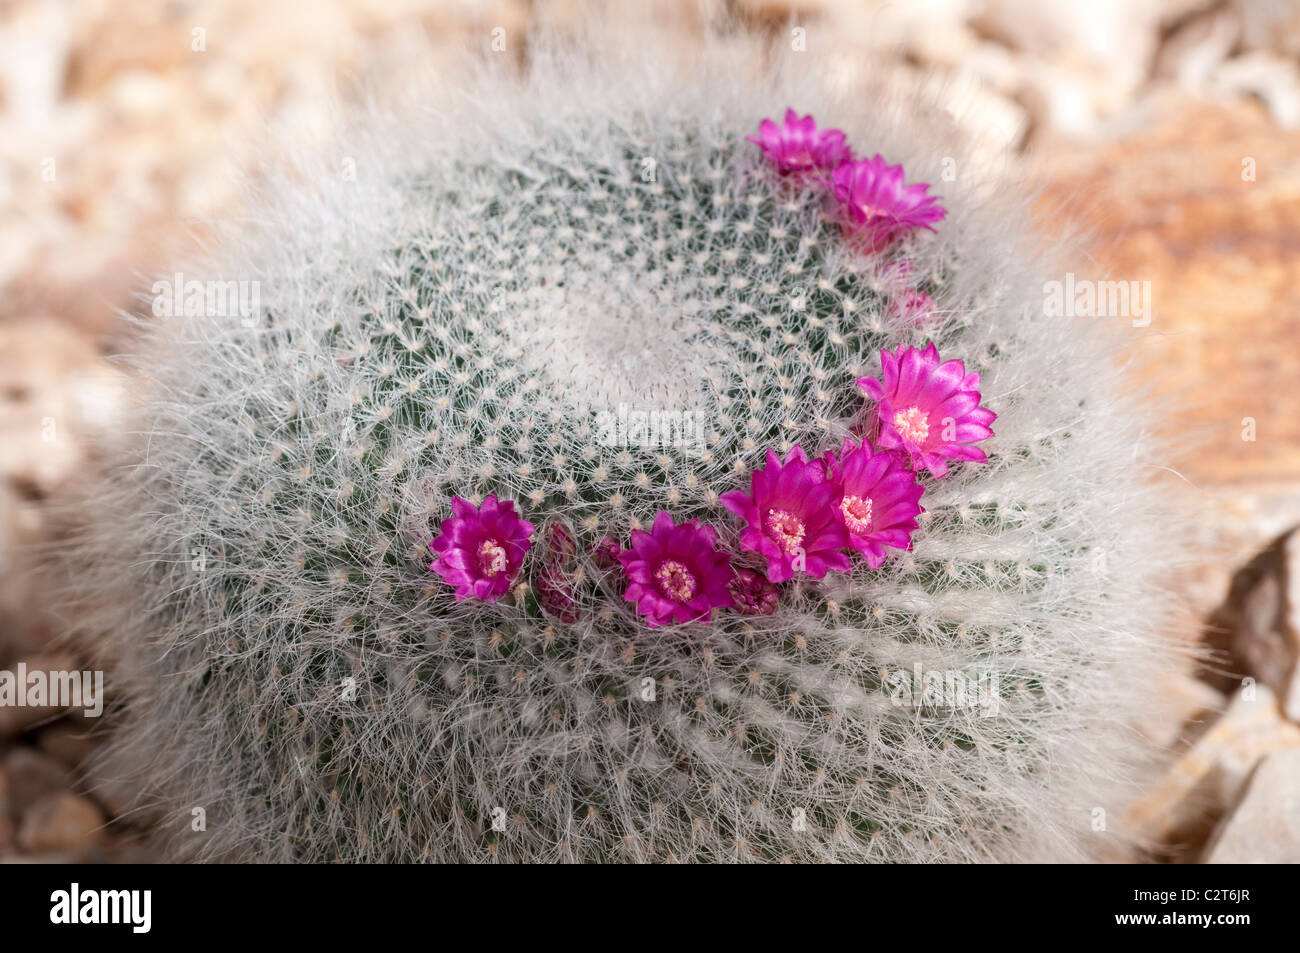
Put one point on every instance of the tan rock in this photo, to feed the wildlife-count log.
(1182, 808)
(1065, 100)
(1259, 623)
(16, 719)
(6, 823)
(1272, 77)
(34, 39)
(1000, 122)
(55, 391)
(1265, 827)
(1269, 24)
(31, 775)
(1110, 41)
(61, 821)
(1213, 237)
(40, 362)
(69, 742)
(1193, 51)
(1188, 706)
(116, 795)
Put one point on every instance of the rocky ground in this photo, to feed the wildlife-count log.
(1169, 128)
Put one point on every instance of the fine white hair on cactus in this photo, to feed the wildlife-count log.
(503, 277)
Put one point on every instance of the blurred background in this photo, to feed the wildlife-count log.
(1170, 129)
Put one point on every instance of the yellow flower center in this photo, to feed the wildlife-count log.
(491, 557)
(676, 580)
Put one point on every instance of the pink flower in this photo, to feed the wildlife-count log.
(790, 508)
(675, 573)
(752, 594)
(928, 409)
(797, 145)
(480, 550)
(878, 506)
(876, 206)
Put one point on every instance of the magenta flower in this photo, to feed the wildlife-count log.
(790, 508)
(928, 409)
(675, 573)
(752, 594)
(878, 503)
(797, 145)
(480, 550)
(876, 206)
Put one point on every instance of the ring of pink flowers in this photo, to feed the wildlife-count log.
(770, 139)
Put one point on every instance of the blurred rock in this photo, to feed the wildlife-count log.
(61, 821)
(997, 122)
(1269, 24)
(68, 741)
(6, 815)
(57, 398)
(1061, 99)
(44, 407)
(14, 719)
(1234, 524)
(31, 775)
(108, 850)
(1265, 827)
(24, 630)
(1189, 706)
(1181, 810)
(1258, 624)
(996, 66)
(1195, 49)
(118, 796)
(1108, 43)
(1274, 78)
(34, 41)
(1215, 239)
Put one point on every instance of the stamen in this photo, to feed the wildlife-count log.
(913, 424)
(491, 557)
(676, 580)
(857, 514)
(786, 529)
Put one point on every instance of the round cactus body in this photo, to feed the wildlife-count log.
(580, 314)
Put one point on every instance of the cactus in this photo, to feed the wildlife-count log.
(494, 306)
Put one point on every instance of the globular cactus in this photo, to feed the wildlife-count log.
(599, 307)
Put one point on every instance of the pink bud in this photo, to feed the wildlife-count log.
(560, 547)
(606, 553)
(752, 594)
(556, 595)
